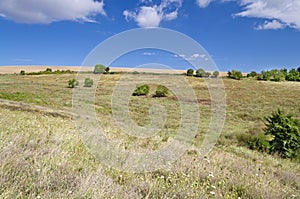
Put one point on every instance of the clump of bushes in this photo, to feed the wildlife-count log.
(190, 72)
(141, 90)
(252, 74)
(48, 71)
(202, 73)
(101, 69)
(235, 74)
(279, 75)
(161, 91)
(88, 82)
(73, 83)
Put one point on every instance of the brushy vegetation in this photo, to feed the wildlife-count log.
(141, 90)
(48, 71)
(161, 91)
(235, 74)
(73, 83)
(279, 75)
(101, 69)
(88, 82)
(190, 72)
(43, 157)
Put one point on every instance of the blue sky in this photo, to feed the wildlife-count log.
(238, 34)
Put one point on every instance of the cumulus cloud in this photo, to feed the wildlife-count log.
(192, 57)
(285, 13)
(203, 3)
(271, 25)
(47, 11)
(152, 15)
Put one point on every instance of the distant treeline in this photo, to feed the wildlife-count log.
(276, 75)
(47, 72)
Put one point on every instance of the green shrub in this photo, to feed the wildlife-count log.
(161, 91)
(22, 72)
(107, 70)
(99, 69)
(252, 74)
(216, 74)
(200, 72)
(190, 72)
(286, 132)
(141, 90)
(48, 70)
(235, 74)
(88, 82)
(73, 83)
(293, 75)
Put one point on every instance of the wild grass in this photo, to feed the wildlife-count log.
(43, 156)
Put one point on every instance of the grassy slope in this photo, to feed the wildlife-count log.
(44, 156)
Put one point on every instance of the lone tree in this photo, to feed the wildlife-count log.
(200, 73)
(161, 91)
(141, 90)
(216, 74)
(99, 69)
(190, 72)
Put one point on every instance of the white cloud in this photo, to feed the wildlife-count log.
(287, 12)
(284, 12)
(47, 11)
(192, 57)
(273, 25)
(152, 16)
(203, 3)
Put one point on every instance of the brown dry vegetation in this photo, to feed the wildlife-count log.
(42, 155)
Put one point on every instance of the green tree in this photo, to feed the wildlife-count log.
(235, 74)
(190, 72)
(252, 74)
(216, 74)
(286, 134)
(141, 90)
(22, 72)
(99, 69)
(107, 70)
(298, 69)
(293, 75)
(73, 83)
(161, 91)
(88, 82)
(200, 72)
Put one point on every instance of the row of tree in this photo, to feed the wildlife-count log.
(201, 73)
(269, 75)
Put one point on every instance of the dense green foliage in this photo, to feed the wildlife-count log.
(235, 74)
(190, 72)
(202, 73)
(252, 74)
(286, 133)
(88, 82)
(141, 90)
(216, 74)
(279, 75)
(48, 71)
(73, 83)
(161, 91)
(99, 69)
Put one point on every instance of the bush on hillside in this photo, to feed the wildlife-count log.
(88, 82)
(235, 74)
(190, 72)
(286, 133)
(99, 69)
(161, 91)
(216, 74)
(252, 74)
(73, 83)
(141, 90)
(22, 72)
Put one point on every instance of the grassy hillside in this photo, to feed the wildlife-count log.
(42, 156)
